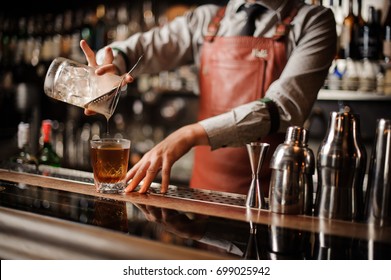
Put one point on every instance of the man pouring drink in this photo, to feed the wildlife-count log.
(261, 65)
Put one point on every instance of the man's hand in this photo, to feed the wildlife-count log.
(163, 156)
(106, 67)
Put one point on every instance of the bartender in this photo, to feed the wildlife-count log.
(261, 65)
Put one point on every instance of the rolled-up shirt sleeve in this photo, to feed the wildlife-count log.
(239, 126)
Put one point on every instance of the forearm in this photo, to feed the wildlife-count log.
(164, 48)
(239, 126)
(193, 134)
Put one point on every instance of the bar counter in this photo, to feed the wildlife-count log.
(56, 213)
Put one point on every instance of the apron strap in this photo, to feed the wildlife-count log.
(214, 25)
(282, 28)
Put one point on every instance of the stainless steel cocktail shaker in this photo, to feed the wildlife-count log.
(341, 164)
(378, 193)
(293, 165)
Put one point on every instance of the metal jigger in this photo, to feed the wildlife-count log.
(257, 152)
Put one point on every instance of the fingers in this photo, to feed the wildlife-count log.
(145, 174)
(159, 158)
(128, 79)
(149, 176)
(166, 173)
(91, 57)
(131, 176)
(109, 56)
(89, 53)
(89, 112)
(106, 68)
(132, 171)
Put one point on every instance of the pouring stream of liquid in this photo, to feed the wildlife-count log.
(116, 92)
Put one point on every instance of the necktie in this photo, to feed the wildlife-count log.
(252, 12)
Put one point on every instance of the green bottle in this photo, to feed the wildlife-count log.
(47, 155)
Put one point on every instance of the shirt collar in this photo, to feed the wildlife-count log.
(280, 7)
(273, 5)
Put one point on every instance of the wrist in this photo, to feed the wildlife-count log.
(197, 134)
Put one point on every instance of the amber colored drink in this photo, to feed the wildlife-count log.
(109, 159)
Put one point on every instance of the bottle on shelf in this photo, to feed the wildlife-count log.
(66, 34)
(335, 75)
(149, 17)
(350, 78)
(37, 25)
(88, 27)
(360, 19)
(100, 27)
(47, 154)
(360, 23)
(369, 36)
(368, 75)
(386, 33)
(124, 23)
(75, 52)
(386, 65)
(336, 7)
(24, 156)
(347, 46)
(111, 24)
(19, 72)
(387, 20)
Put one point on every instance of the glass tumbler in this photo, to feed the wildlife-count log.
(109, 159)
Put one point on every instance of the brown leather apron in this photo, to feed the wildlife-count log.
(234, 71)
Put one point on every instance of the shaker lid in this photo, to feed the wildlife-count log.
(294, 154)
(296, 135)
(342, 143)
(294, 159)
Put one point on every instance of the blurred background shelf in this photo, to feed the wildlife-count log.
(346, 95)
